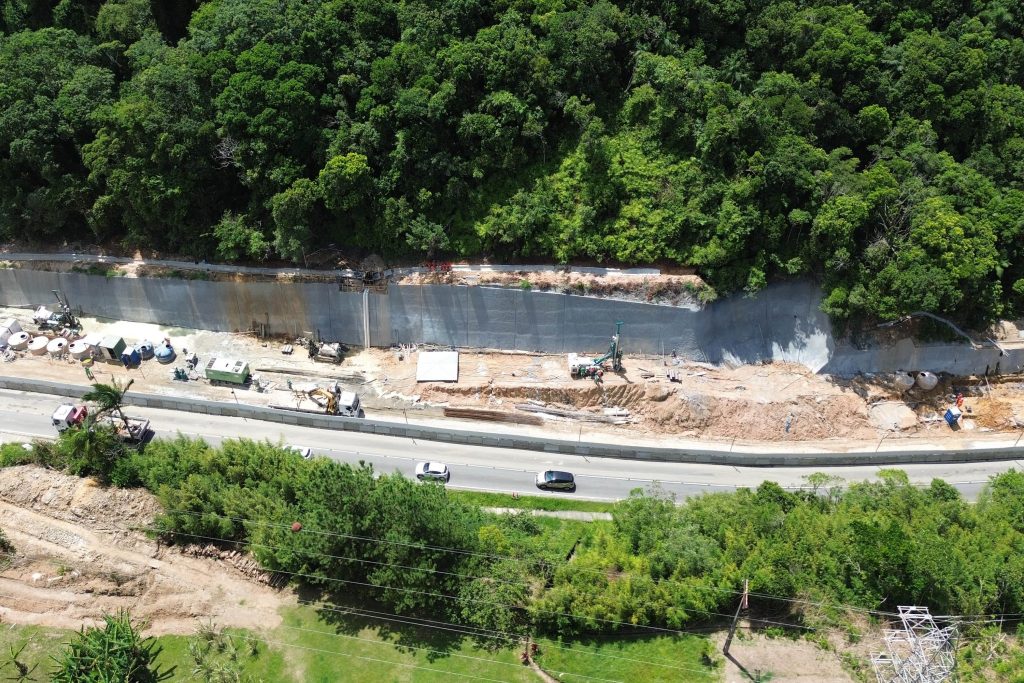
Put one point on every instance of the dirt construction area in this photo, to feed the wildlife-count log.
(81, 552)
(655, 397)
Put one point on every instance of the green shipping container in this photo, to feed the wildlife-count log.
(227, 370)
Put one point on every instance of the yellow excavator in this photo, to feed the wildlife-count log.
(324, 399)
(334, 401)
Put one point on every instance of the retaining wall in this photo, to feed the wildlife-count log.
(524, 442)
(782, 323)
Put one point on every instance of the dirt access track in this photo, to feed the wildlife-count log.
(80, 553)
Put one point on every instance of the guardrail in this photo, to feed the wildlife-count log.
(526, 442)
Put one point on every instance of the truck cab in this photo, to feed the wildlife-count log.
(67, 416)
(348, 404)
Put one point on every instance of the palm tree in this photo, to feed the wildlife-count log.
(109, 398)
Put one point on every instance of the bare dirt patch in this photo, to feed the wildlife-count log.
(780, 660)
(750, 402)
(80, 553)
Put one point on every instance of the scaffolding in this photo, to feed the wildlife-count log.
(920, 652)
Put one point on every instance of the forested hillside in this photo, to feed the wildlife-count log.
(877, 145)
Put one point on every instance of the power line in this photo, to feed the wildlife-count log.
(482, 632)
(440, 625)
(387, 643)
(369, 659)
(486, 602)
(336, 534)
(333, 557)
(442, 652)
(418, 546)
(539, 561)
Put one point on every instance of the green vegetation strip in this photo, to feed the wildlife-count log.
(504, 500)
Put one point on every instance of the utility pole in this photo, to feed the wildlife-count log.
(742, 607)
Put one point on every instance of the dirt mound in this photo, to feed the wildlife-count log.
(582, 395)
(671, 408)
(80, 552)
(73, 499)
(715, 416)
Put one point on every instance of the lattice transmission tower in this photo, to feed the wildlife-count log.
(920, 652)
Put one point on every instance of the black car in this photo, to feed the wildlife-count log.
(553, 479)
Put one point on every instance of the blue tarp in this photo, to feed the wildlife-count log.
(131, 358)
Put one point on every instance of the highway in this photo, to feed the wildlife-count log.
(25, 416)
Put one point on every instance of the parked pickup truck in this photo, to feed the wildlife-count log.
(67, 415)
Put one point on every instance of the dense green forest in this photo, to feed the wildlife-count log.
(877, 146)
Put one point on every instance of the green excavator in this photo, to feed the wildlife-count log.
(580, 367)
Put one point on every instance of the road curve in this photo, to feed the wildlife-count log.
(24, 416)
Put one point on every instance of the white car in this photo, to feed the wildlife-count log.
(305, 451)
(433, 470)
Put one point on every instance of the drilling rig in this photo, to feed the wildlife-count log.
(581, 367)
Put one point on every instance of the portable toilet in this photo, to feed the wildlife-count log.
(111, 348)
(131, 357)
(953, 417)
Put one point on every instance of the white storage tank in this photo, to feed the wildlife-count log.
(57, 347)
(19, 341)
(904, 381)
(927, 381)
(79, 349)
(37, 346)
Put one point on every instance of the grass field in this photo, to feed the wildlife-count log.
(309, 648)
(661, 659)
(504, 500)
(306, 648)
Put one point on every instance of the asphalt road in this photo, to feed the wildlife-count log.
(24, 416)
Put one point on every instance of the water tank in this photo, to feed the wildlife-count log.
(145, 349)
(164, 353)
(927, 381)
(19, 340)
(57, 347)
(79, 349)
(904, 381)
(37, 346)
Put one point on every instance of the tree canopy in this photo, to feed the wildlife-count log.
(876, 146)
